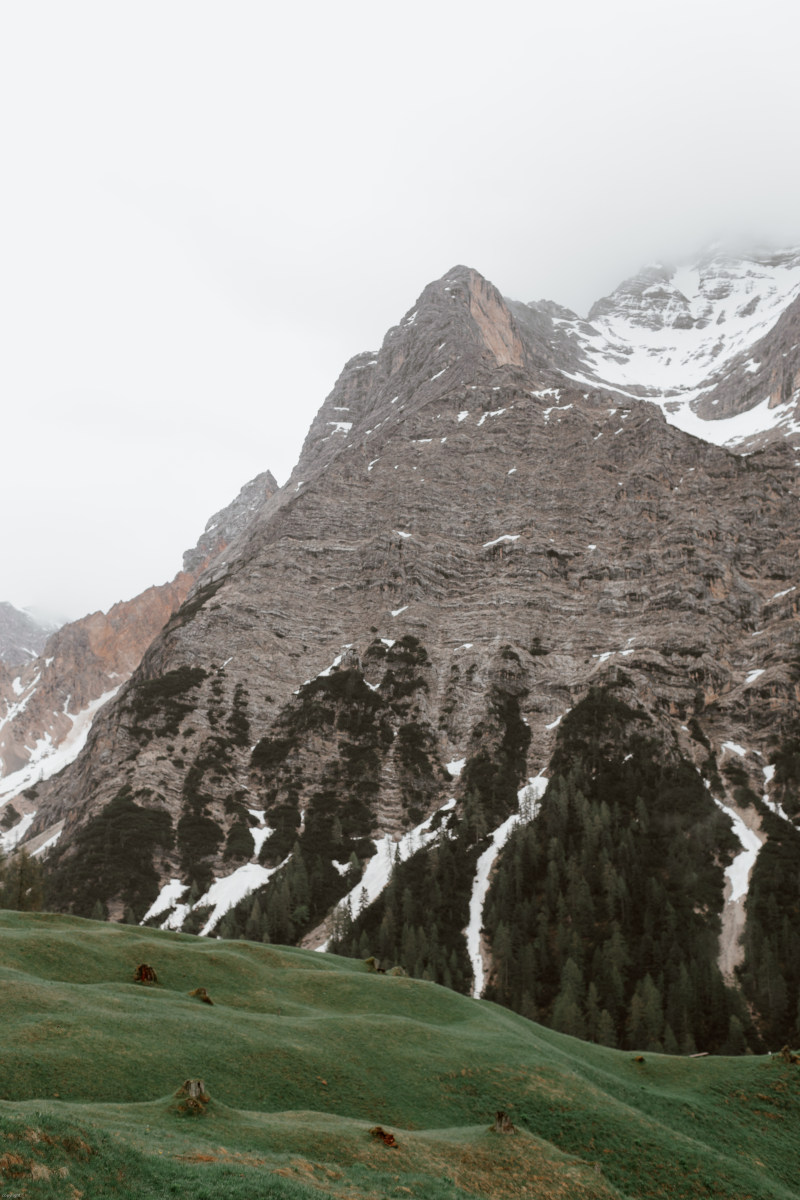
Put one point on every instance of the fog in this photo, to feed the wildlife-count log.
(207, 209)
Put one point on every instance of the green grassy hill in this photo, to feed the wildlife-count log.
(302, 1054)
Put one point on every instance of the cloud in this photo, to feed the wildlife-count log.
(209, 210)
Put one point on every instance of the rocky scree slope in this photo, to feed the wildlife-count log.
(47, 704)
(472, 545)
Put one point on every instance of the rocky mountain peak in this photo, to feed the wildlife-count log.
(228, 523)
(491, 568)
(648, 300)
(459, 333)
(48, 704)
(21, 636)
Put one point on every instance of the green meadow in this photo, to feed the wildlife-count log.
(303, 1054)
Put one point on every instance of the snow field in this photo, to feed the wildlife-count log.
(53, 759)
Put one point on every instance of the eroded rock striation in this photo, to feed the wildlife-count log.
(472, 542)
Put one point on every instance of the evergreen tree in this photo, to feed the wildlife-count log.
(610, 899)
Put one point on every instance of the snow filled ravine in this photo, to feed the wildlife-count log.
(224, 893)
(379, 868)
(528, 798)
(738, 873)
(46, 759)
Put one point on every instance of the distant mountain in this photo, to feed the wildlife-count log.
(22, 637)
(502, 685)
(715, 344)
(47, 706)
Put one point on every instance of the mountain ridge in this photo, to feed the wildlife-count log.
(472, 543)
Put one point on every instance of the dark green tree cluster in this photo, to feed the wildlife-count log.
(771, 970)
(492, 776)
(238, 723)
(786, 756)
(360, 725)
(199, 834)
(418, 920)
(21, 882)
(296, 898)
(604, 912)
(157, 706)
(112, 859)
(352, 722)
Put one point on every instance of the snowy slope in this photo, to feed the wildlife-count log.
(670, 335)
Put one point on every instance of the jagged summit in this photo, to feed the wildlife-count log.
(224, 526)
(713, 344)
(459, 331)
(489, 569)
(22, 637)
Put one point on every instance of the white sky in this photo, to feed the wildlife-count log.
(206, 208)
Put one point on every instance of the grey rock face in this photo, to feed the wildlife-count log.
(464, 524)
(226, 524)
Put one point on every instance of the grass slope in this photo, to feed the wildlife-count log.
(303, 1053)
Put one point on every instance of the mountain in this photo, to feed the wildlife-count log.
(715, 344)
(502, 685)
(47, 705)
(22, 637)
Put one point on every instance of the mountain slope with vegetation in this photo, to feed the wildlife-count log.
(331, 737)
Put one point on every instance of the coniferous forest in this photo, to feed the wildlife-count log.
(604, 912)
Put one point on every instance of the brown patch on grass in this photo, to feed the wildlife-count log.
(13, 1165)
(382, 1135)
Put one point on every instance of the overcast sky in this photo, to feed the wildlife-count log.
(208, 207)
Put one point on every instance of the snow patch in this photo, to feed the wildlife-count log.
(396, 611)
(738, 873)
(51, 841)
(15, 835)
(47, 760)
(167, 898)
(773, 805)
(527, 799)
(506, 537)
(456, 766)
(754, 675)
(495, 413)
(379, 868)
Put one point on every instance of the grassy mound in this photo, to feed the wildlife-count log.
(302, 1054)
